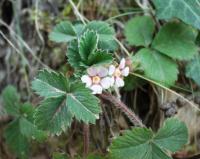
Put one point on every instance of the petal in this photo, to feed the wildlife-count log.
(96, 89)
(102, 71)
(125, 71)
(92, 71)
(111, 69)
(106, 82)
(122, 63)
(112, 81)
(119, 82)
(87, 80)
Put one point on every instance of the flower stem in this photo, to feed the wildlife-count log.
(116, 102)
(86, 139)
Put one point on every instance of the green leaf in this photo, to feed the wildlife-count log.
(15, 140)
(172, 136)
(157, 67)
(105, 33)
(142, 143)
(193, 69)
(103, 29)
(110, 45)
(11, 100)
(26, 127)
(99, 57)
(40, 135)
(53, 115)
(30, 131)
(176, 40)
(186, 10)
(94, 58)
(50, 84)
(73, 55)
(137, 144)
(83, 104)
(79, 27)
(136, 31)
(27, 111)
(87, 44)
(63, 32)
(26, 123)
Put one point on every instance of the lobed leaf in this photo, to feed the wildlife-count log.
(105, 33)
(172, 136)
(73, 55)
(11, 100)
(157, 67)
(142, 143)
(186, 10)
(87, 44)
(100, 57)
(103, 29)
(193, 69)
(63, 32)
(50, 84)
(15, 140)
(136, 31)
(83, 104)
(30, 131)
(176, 40)
(56, 112)
(136, 144)
(53, 115)
(93, 57)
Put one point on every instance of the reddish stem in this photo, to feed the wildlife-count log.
(116, 102)
(86, 139)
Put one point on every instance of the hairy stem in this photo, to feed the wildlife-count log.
(86, 139)
(116, 102)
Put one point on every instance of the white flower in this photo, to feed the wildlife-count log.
(118, 73)
(97, 79)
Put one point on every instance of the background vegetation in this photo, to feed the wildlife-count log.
(161, 39)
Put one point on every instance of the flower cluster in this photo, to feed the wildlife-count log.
(101, 78)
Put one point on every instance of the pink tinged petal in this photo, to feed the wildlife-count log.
(125, 71)
(119, 82)
(87, 80)
(122, 63)
(112, 81)
(106, 82)
(92, 71)
(111, 70)
(102, 71)
(96, 89)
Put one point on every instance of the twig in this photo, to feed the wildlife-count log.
(77, 12)
(124, 14)
(160, 85)
(38, 29)
(24, 43)
(116, 102)
(122, 46)
(15, 48)
(86, 139)
(107, 119)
